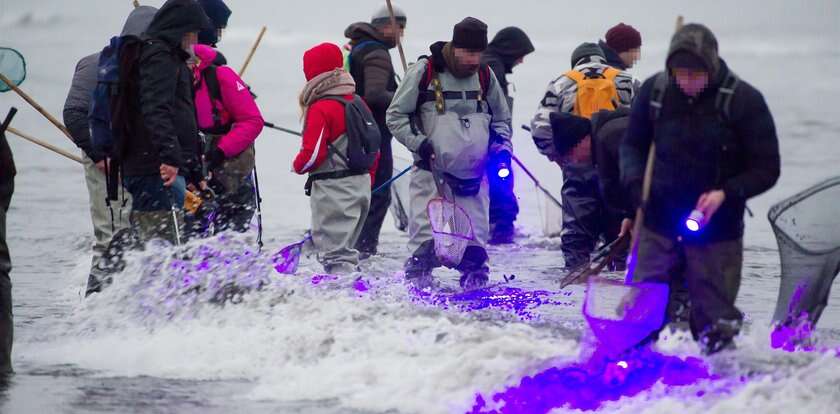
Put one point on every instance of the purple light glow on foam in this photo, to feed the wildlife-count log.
(317, 279)
(518, 301)
(587, 386)
(361, 285)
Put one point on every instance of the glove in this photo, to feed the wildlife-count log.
(214, 158)
(426, 151)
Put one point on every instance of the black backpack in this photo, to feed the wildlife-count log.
(363, 136)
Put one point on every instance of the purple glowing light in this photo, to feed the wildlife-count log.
(504, 172)
(587, 386)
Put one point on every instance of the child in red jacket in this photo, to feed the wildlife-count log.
(340, 198)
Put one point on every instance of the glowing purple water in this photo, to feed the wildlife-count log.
(587, 386)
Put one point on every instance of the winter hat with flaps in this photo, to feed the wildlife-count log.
(382, 17)
(219, 13)
(470, 34)
(177, 18)
(586, 50)
(569, 130)
(623, 37)
(694, 46)
(322, 58)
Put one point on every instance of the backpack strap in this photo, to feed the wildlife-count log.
(331, 145)
(211, 79)
(576, 76)
(657, 95)
(611, 73)
(484, 77)
(726, 91)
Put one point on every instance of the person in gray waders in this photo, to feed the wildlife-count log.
(451, 113)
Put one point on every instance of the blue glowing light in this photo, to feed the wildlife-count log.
(504, 172)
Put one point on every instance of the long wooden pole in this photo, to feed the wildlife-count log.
(397, 34)
(251, 53)
(37, 107)
(45, 144)
(640, 211)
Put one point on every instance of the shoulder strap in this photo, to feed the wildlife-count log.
(484, 77)
(215, 92)
(726, 91)
(575, 75)
(657, 95)
(611, 73)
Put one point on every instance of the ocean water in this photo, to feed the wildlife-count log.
(372, 345)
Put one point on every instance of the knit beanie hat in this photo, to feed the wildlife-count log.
(585, 50)
(623, 37)
(322, 58)
(219, 13)
(470, 34)
(383, 16)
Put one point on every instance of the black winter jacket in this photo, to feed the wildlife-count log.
(166, 123)
(697, 151)
(608, 131)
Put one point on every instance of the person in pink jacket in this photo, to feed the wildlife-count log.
(230, 120)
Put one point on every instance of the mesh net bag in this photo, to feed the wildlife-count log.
(621, 315)
(551, 215)
(807, 229)
(452, 231)
(12, 66)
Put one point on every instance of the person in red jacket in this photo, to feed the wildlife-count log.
(339, 197)
(230, 120)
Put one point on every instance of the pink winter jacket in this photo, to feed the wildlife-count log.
(237, 108)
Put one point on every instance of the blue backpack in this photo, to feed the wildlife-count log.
(117, 65)
(111, 102)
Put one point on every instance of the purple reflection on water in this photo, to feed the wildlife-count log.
(587, 386)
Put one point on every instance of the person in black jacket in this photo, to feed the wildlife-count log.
(7, 188)
(160, 150)
(507, 49)
(596, 142)
(376, 82)
(716, 147)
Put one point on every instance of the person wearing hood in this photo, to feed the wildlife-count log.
(219, 13)
(76, 107)
(339, 196)
(230, 120)
(622, 46)
(160, 149)
(716, 147)
(451, 113)
(507, 49)
(584, 213)
(369, 62)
